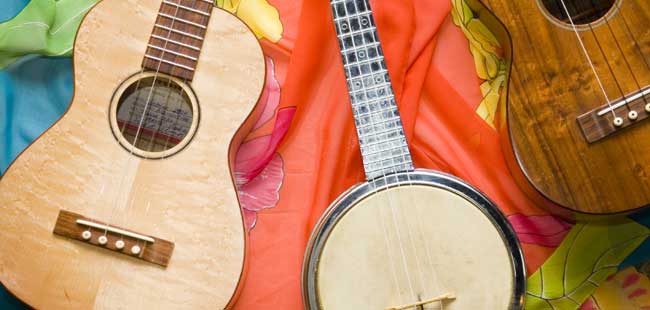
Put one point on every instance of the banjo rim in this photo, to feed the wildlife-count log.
(350, 198)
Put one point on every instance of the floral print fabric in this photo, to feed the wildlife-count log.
(302, 152)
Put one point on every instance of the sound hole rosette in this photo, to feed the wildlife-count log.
(579, 26)
(176, 144)
(420, 177)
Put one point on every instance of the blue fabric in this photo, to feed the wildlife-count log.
(33, 92)
(10, 8)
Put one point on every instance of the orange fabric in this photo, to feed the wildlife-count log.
(438, 92)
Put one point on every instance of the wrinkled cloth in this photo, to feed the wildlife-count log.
(303, 151)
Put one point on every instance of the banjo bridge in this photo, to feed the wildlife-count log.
(77, 227)
(421, 304)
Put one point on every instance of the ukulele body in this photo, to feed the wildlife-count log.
(565, 150)
(187, 198)
(399, 240)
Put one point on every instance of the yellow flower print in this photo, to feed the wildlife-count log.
(490, 66)
(261, 16)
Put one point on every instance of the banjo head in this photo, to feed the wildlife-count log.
(409, 238)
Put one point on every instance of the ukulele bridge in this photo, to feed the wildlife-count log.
(613, 117)
(77, 227)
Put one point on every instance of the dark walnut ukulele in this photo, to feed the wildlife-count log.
(578, 100)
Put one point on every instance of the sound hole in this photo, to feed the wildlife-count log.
(154, 116)
(582, 12)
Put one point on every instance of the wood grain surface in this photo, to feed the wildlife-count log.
(552, 84)
(188, 198)
(158, 251)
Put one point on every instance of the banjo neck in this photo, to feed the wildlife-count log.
(383, 144)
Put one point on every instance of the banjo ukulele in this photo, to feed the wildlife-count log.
(406, 238)
(127, 201)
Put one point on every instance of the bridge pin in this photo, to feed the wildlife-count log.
(135, 250)
(119, 244)
(618, 121)
(647, 107)
(102, 240)
(86, 234)
(633, 115)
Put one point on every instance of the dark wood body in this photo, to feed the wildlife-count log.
(551, 84)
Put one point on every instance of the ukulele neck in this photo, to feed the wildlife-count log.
(177, 37)
(379, 127)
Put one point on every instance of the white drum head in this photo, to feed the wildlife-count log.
(412, 243)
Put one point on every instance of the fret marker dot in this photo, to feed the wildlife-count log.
(344, 26)
(102, 240)
(362, 54)
(647, 107)
(135, 250)
(633, 115)
(86, 234)
(618, 121)
(364, 21)
(119, 244)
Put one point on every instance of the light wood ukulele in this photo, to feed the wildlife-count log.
(128, 202)
(578, 100)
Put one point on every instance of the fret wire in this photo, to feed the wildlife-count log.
(365, 91)
(381, 160)
(186, 8)
(394, 168)
(383, 122)
(169, 62)
(386, 128)
(379, 152)
(172, 52)
(363, 76)
(370, 151)
(374, 114)
(353, 15)
(394, 119)
(356, 49)
(385, 141)
(375, 100)
(176, 42)
(386, 131)
(363, 62)
(360, 31)
(378, 141)
(390, 96)
(187, 34)
(183, 20)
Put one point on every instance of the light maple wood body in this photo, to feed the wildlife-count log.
(551, 84)
(78, 165)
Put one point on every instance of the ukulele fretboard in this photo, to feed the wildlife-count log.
(177, 37)
(379, 127)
